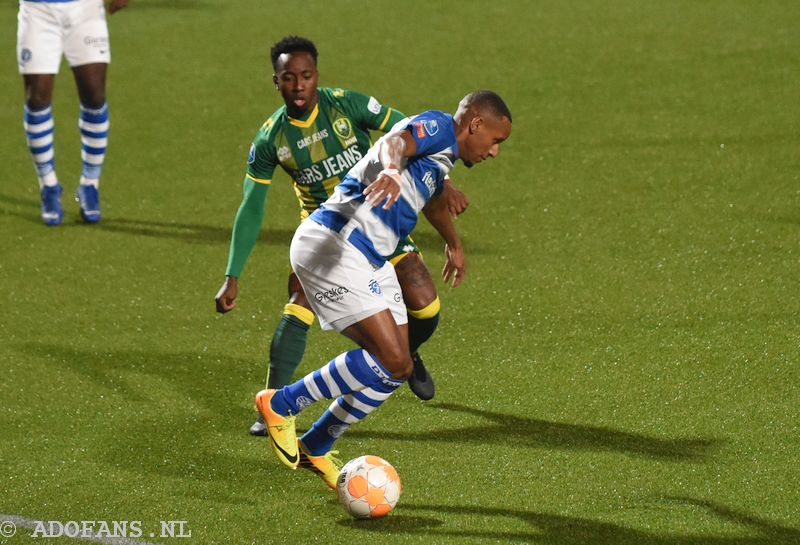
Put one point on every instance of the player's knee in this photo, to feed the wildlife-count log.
(415, 281)
(39, 98)
(397, 362)
(403, 369)
(93, 99)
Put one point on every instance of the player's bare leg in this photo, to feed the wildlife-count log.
(383, 338)
(91, 82)
(419, 294)
(38, 90)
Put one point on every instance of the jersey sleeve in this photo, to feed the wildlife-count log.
(366, 111)
(262, 158)
(432, 131)
(247, 224)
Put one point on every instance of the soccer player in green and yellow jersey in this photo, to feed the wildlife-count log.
(316, 137)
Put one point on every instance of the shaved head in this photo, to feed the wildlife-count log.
(483, 103)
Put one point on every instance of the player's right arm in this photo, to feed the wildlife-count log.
(247, 224)
(392, 150)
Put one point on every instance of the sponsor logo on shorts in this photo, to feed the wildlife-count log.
(25, 55)
(332, 295)
(397, 297)
(284, 153)
(374, 287)
(96, 41)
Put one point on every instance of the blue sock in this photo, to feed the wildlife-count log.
(343, 412)
(39, 129)
(93, 124)
(347, 373)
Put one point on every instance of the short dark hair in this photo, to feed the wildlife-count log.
(489, 100)
(292, 44)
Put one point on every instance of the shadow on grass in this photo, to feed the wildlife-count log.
(535, 433)
(186, 232)
(194, 232)
(196, 432)
(548, 529)
(207, 379)
(189, 232)
(30, 212)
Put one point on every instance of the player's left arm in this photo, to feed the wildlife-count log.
(438, 214)
(116, 5)
(457, 201)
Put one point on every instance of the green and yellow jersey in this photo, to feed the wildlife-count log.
(316, 152)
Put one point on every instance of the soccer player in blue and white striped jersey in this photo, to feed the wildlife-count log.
(338, 256)
(48, 29)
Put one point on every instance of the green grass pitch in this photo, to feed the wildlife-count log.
(620, 366)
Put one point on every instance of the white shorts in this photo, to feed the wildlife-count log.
(45, 30)
(341, 284)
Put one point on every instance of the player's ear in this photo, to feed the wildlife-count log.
(275, 80)
(475, 124)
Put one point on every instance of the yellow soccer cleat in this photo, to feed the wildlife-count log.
(280, 429)
(326, 466)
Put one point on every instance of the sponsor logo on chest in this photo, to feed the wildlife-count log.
(308, 140)
(429, 182)
(328, 167)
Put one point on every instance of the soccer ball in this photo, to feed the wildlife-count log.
(368, 487)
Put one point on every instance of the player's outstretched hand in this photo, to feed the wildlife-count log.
(456, 201)
(116, 5)
(226, 296)
(386, 186)
(455, 265)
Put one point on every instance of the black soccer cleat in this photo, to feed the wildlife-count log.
(420, 381)
(258, 428)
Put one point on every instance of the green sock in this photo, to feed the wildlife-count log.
(286, 350)
(420, 330)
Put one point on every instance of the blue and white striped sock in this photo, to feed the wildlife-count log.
(39, 129)
(349, 372)
(343, 412)
(93, 124)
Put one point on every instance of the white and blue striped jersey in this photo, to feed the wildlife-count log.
(373, 230)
